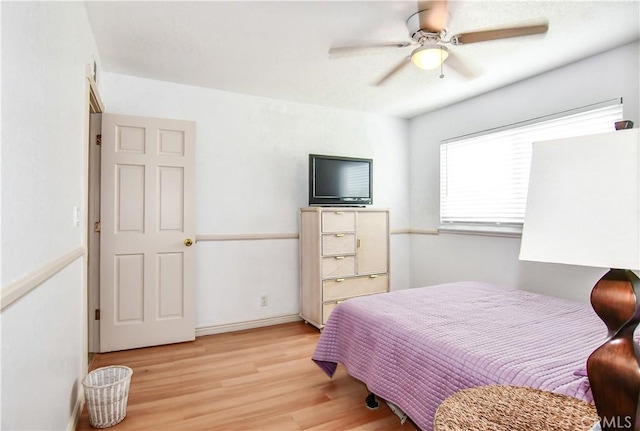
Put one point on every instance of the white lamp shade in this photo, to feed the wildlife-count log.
(429, 56)
(583, 204)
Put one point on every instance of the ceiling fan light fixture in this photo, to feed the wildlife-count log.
(429, 56)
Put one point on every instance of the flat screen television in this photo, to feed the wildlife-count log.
(340, 181)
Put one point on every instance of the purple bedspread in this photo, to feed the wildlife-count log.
(416, 347)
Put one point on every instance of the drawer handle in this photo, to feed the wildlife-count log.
(339, 301)
(339, 257)
(338, 280)
(339, 212)
(373, 276)
(339, 235)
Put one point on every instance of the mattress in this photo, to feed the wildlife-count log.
(416, 347)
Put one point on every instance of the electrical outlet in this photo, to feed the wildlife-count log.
(264, 300)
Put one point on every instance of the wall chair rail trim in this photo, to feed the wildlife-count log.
(293, 235)
(246, 236)
(21, 287)
(414, 231)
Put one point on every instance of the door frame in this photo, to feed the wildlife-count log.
(93, 105)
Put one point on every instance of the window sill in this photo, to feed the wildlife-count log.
(470, 229)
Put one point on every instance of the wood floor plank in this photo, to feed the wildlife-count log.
(258, 379)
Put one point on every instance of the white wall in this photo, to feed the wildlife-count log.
(45, 47)
(452, 257)
(251, 177)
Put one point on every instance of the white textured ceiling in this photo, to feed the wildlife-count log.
(280, 49)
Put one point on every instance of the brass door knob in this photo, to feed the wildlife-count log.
(188, 242)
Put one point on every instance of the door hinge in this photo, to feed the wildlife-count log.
(98, 139)
(96, 226)
(97, 314)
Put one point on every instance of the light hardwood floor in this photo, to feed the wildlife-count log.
(259, 379)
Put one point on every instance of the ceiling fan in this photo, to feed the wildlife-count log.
(428, 32)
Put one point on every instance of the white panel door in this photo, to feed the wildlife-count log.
(147, 265)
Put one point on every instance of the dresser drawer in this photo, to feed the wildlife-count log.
(355, 286)
(338, 221)
(338, 266)
(327, 308)
(338, 243)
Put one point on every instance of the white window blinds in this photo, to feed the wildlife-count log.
(484, 178)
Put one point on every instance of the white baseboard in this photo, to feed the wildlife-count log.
(231, 327)
(75, 415)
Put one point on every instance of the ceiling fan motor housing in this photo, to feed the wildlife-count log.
(422, 35)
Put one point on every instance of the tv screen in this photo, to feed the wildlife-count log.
(335, 180)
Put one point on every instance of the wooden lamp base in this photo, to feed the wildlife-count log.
(614, 368)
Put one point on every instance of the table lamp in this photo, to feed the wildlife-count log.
(583, 208)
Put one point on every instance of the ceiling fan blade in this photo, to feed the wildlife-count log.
(338, 51)
(397, 68)
(435, 16)
(461, 67)
(501, 33)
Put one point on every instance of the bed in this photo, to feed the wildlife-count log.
(415, 347)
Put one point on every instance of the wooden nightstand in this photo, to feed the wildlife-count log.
(513, 408)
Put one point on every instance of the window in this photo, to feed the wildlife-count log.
(484, 177)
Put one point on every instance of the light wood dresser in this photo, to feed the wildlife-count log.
(344, 253)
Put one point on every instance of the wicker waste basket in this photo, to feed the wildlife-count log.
(106, 392)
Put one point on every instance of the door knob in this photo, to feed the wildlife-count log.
(188, 242)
